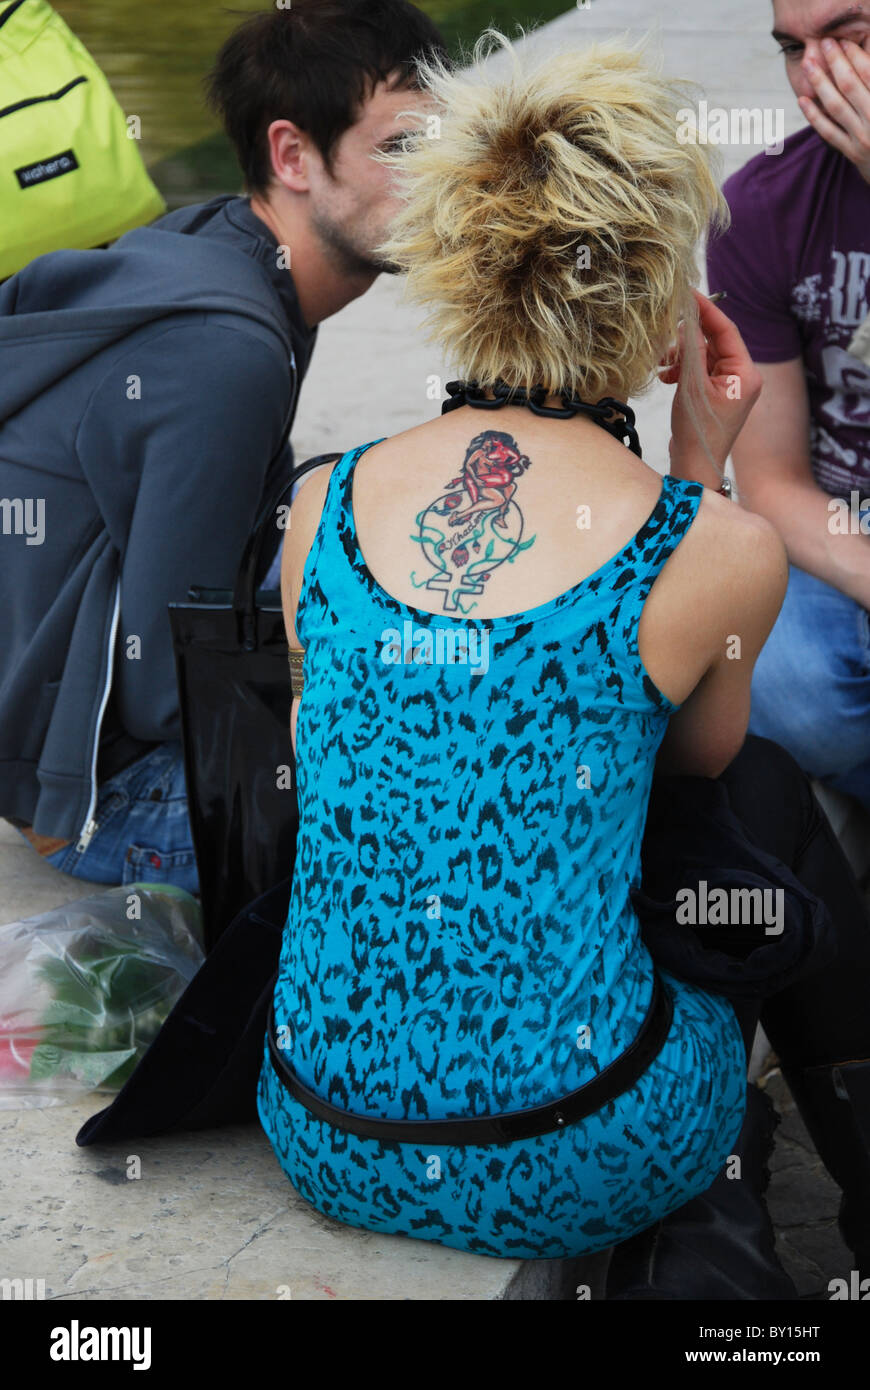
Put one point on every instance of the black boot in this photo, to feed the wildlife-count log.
(721, 1244)
(834, 1104)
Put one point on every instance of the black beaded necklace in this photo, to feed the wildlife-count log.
(613, 415)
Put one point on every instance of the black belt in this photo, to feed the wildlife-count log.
(616, 1078)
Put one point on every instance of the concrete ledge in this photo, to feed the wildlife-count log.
(213, 1217)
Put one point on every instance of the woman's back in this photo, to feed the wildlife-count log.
(475, 756)
(574, 489)
(575, 496)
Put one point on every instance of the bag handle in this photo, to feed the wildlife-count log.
(244, 604)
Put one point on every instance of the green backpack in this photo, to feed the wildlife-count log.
(69, 174)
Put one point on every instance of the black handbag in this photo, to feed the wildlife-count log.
(234, 695)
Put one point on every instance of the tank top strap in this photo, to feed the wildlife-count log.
(642, 562)
(327, 564)
(659, 537)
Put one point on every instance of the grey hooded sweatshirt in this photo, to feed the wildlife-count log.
(144, 390)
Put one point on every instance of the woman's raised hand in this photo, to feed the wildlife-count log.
(731, 383)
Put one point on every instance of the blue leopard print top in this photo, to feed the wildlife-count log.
(460, 938)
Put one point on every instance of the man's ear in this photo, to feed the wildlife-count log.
(289, 150)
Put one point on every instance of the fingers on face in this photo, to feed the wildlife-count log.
(843, 89)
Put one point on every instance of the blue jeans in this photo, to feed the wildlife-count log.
(143, 830)
(811, 685)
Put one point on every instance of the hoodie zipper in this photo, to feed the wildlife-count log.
(90, 825)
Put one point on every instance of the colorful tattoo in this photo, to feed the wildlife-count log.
(476, 525)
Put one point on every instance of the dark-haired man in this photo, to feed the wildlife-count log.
(144, 391)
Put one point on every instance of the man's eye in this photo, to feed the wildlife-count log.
(791, 50)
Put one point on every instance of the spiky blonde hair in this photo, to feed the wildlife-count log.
(537, 157)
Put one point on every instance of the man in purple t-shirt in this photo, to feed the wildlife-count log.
(795, 264)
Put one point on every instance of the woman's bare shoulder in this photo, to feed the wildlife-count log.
(733, 557)
(738, 534)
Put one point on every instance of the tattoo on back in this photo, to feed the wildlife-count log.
(476, 525)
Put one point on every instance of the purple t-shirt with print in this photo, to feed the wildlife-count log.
(795, 263)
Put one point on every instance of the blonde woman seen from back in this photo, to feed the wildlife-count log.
(509, 620)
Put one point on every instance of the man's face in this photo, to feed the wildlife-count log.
(352, 209)
(799, 27)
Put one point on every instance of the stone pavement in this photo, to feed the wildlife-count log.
(803, 1200)
(213, 1216)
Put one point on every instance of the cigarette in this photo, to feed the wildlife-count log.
(714, 298)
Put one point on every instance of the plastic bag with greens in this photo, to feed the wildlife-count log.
(85, 989)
